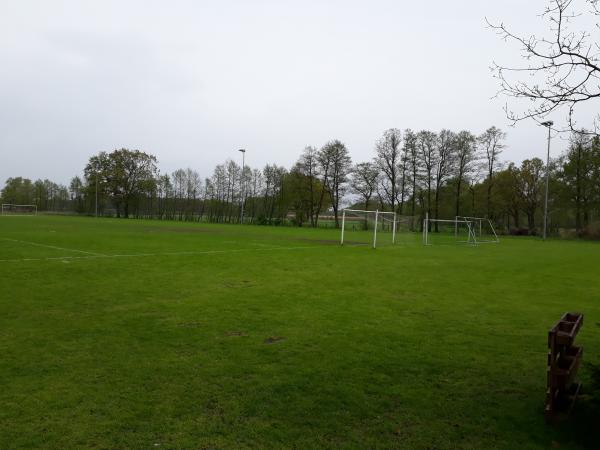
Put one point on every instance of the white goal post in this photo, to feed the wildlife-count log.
(9, 209)
(380, 218)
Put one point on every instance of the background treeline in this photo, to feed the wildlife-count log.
(444, 174)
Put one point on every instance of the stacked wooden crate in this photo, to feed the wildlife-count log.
(564, 358)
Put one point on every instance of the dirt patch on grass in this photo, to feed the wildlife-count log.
(180, 230)
(273, 339)
(189, 325)
(238, 283)
(236, 333)
(330, 241)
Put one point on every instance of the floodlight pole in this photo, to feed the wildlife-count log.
(548, 125)
(243, 151)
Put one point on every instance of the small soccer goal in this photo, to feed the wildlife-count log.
(460, 230)
(483, 229)
(9, 209)
(363, 227)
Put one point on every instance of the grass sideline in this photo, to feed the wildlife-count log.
(149, 334)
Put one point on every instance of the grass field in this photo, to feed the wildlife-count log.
(147, 334)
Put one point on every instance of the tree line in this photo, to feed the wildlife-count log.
(443, 174)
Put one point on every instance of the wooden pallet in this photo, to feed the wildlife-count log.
(564, 359)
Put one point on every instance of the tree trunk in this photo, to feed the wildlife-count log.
(531, 221)
(489, 198)
(458, 187)
(437, 197)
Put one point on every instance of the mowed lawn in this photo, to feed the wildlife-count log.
(149, 334)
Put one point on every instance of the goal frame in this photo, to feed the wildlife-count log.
(471, 238)
(377, 213)
(480, 220)
(6, 205)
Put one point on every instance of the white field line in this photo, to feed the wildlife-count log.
(137, 255)
(53, 247)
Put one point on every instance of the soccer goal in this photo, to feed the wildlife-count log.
(8, 209)
(460, 230)
(447, 231)
(483, 229)
(363, 227)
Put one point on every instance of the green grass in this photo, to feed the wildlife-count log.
(278, 338)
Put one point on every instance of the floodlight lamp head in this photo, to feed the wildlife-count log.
(243, 150)
(548, 123)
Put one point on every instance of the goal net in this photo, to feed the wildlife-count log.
(483, 229)
(8, 209)
(362, 227)
(460, 230)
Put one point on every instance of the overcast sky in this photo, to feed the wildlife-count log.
(193, 81)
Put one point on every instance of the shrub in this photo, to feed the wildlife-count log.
(592, 231)
(519, 231)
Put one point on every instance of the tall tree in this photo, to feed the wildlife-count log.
(427, 141)
(389, 156)
(507, 186)
(308, 165)
(274, 178)
(339, 166)
(444, 160)
(412, 152)
(466, 156)
(492, 143)
(579, 175)
(409, 151)
(363, 181)
(76, 190)
(530, 182)
(324, 169)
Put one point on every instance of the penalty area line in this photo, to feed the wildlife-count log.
(54, 247)
(140, 255)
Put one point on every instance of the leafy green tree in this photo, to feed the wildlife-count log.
(76, 189)
(299, 196)
(530, 182)
(509, 195)
(124, 174)
(308, 166)
(579, 173)
(19, 191)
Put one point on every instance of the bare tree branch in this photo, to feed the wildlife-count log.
(562, 70)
